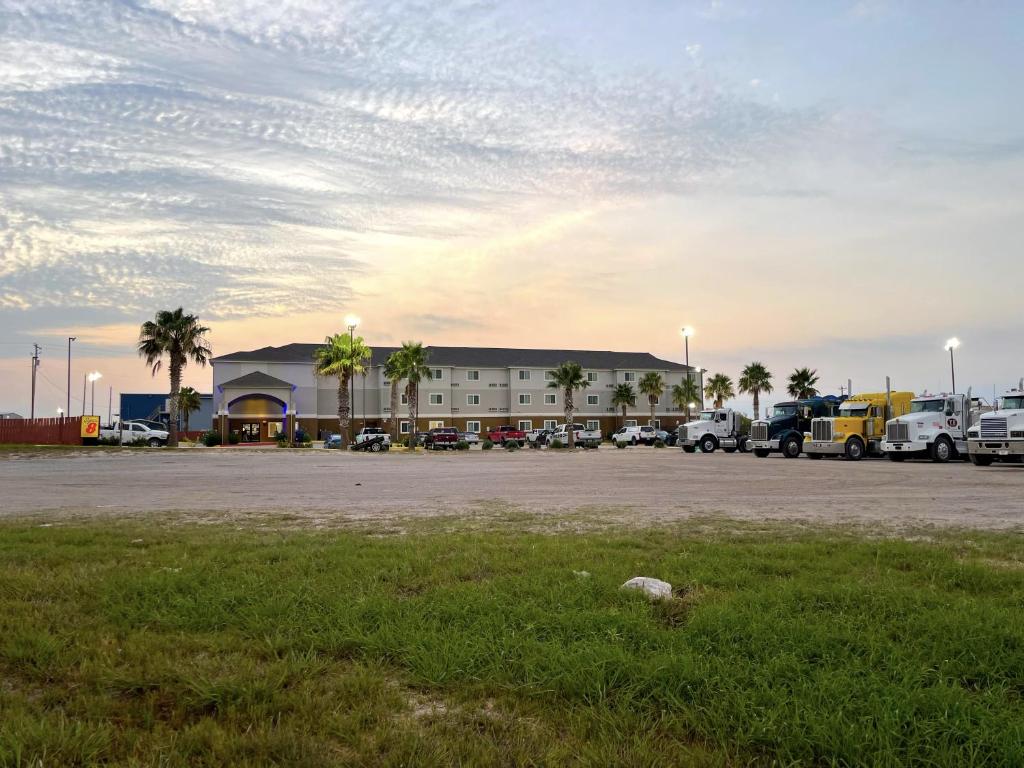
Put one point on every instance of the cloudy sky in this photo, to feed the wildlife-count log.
(832, 184)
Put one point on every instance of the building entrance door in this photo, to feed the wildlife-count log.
(250, 432)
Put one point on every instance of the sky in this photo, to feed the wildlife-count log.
(838, 185)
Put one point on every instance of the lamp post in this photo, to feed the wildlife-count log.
(93, 378)
(352, 321)
(686, 332)
(952, 344)
(70, 339)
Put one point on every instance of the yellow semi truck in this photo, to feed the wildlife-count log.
(859, 428)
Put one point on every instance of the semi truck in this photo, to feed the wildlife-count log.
(935, 428)
(858, 428)
(999, 434)
(783, 431)
(715, 428)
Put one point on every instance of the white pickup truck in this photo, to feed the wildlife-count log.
(369, 433)
(583, 437)
(633, 435)
(130, 432)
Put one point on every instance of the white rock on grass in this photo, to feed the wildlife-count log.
(656, 589)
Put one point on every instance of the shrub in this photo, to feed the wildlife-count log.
(234, 438)
(659, 443)
(487, 445)
(620, 444)
(462, 445)
(556, 444)
(211, 438)
(408, 442)
(511, 445)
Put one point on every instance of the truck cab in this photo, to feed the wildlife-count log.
(999, 434)
(935, 428)
(784, 430)
(715, 428)
(857, 430)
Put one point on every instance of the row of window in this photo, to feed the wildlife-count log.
(526, 375)
(525, 398)
(524, 424)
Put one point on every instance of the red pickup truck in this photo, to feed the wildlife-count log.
(441, 438)
(507, 433)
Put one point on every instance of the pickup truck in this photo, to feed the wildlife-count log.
(371, 433)
(505, 433)
(442, 439)
(130, 432)
(583, 437)
(633, 435)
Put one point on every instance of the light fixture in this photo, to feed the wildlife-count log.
(687, 331)
(952, 344)
(351, 322)
(95, 376)
(60, 412)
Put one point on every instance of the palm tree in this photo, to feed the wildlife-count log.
(344, 357)
(755, 379)
(414, 369)
(623, 396)
(188, 401)
(393, 369)
(719, 388)
(652, 385)
(568, 377)
(181, 338)
(802, 383)
(686, 393)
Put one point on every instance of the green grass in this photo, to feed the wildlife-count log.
(123, 644)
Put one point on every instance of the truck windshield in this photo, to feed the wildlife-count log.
(1014, 403)
(927, 406)
(707, 416)
(854, 411)
(785, 410)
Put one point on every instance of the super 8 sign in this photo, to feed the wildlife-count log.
(90, 426)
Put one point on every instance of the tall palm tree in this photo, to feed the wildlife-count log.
(182, 339)
(652, 385)
(188, 401)
(344, 357)
(569, 378)
(393, 370)
(686, 393)
(802, 383)
(719, 388)
(414, 369)
(755, 379)
(623, 396)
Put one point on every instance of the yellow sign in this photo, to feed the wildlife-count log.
(90, 426)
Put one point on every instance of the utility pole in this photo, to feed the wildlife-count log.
(35, 366)
(67, 410)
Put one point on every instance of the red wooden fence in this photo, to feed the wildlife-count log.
(67, 431)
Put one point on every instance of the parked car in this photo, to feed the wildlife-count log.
(583, 437)
(130, 432)
(157, 426)
(635, 435)
(471, 437)
(442, 438)
(421, 438)
(507, 433)
(538, 437)
(673, 437)
(662, 435)
(333, 441)
(372, 433)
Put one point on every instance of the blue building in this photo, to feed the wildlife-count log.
(152, 407)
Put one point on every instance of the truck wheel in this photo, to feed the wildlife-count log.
(745, 446)
(854, 449)
(981, 460)
(689, 449)
(375, 447)
(941, 450)
(633, 442)
(791, 448)
(897, 457)
(761, 452)
(153, 443)
(708, 444)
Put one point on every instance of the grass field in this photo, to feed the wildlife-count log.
(129, 644)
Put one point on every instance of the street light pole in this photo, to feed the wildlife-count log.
(952, 344)
(68, 409)
(352, 321)
(687, 332)
(93, 378)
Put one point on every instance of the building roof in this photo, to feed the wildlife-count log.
(468, 357)
(257, 380)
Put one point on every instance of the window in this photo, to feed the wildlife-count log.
(403, 427)
(629, 376)
(472, 399)
(472, 375)
(435, 424)
(436, 373)
(550, 423)
(593, 425)
(404, 398)
(437, 398)
(657, 423)
(549, 376)
(550, 399)
(525, 398)
(593, 400)
(591, 376)
(524, 375)
(525, 426)
(472, 426)
(630, 422)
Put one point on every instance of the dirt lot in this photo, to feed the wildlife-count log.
(637, 484)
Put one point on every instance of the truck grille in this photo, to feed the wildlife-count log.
(759, 431)
(897, 432)
(993, 428)
(821, 429)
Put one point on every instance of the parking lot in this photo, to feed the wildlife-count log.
(636, 485)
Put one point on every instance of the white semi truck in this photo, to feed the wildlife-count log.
(999, 434)
(935, 428)
(714, 429)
